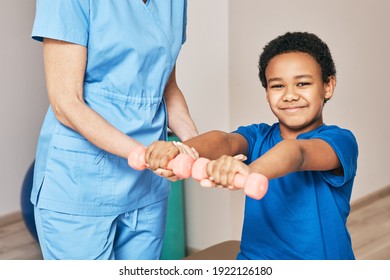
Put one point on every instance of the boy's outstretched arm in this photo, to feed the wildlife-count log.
(293, 155)
(216, 143)
(211, 145)
(288, 156)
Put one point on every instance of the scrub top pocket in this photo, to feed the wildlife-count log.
(72, 165)
(76, 149)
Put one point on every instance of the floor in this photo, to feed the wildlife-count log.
(16, 242)
(369, 227)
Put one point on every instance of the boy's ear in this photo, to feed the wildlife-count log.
(329, 88)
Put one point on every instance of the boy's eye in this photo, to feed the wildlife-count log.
(302, 84)
(276, 86)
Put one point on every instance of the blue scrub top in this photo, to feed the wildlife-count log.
(132, 48)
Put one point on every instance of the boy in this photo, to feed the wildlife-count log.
(310, 166)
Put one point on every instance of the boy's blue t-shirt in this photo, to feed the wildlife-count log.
(304, 214)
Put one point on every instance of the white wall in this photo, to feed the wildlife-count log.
(202, 73)
(23, 98)
(217, 70)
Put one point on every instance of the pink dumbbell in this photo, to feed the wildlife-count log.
(181, 165)
(255, 185)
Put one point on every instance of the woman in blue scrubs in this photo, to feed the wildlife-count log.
(110, 76)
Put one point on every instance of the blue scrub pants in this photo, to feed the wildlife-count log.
(135, 235)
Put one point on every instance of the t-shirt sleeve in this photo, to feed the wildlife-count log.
(65, 20)
(345, 145)
(252, 134)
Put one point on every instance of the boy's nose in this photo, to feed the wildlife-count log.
(290, 95)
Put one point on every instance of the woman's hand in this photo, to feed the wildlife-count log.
(160, 153)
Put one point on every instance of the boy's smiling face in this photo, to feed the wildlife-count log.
(296, 92)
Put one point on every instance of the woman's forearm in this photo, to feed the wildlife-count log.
(65, 69)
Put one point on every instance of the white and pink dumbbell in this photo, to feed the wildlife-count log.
(255, 185)
(181, 165)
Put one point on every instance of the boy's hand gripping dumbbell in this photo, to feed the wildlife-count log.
(255, 185)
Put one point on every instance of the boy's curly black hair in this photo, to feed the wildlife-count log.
(303, 42)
